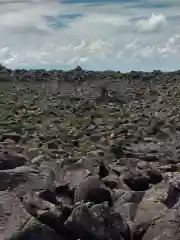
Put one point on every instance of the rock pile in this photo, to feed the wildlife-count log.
(97, 157)
(109, 204)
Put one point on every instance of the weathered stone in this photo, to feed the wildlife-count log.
(97, 222)
(173, 194)
(111, 181)
(142, 165)
(53, 144)
(36, 230)
(11, 160)
(75, 176)
(127, 210)
(117, 149)
(151, 206)
(23, 179)
(37, 160)
(139, 229)
(64, 193)
(92, 189)
(13, 215)
(5, 179)
(13, 136)
(118, 169)
(136, 181)
(165, 227)
(124, 196)
(55, 218)
(154, 175)
(150, 157)
(49, 196)
(103, 170)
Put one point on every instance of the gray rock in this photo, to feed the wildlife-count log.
(165, 227)
(118, 169)
(49, 196)
(118, 227)
(154, 175)
(5, 179)
(55, 218)
(151, 205)
(138, 230)
(13, 136)
(92, 189)
(118, 149)
(37, 160)
(127, 210)
(103, 170)
(11, 160)
(13, 215)
(97, 222)
(35, 198)
(173, 194)
(112, 181)
(137, 180)
(142, 165)
(124, 196)
(64, 193)
(150, 157)
(168, 168)
(75, 176)
(84, 223)
(53, 144)
(36, 230)
(22, 179)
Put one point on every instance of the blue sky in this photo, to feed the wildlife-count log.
(120, 35)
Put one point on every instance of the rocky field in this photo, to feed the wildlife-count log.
(89, 155)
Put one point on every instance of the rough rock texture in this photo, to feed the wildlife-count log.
(166, 226)
(13, 215)
(92, 189)
(36, 231)
(97, 222)
(89, 155)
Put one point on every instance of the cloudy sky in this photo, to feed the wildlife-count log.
(119, 35)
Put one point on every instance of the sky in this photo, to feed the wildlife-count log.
(121, 35)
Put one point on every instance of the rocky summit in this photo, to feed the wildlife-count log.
(89, 155)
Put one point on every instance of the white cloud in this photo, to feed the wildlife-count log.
(152, 24)
(86, 51)
(171, 48)
(105, 36)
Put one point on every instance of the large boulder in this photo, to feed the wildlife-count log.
(151, 205)
(97, 222)
(55, 218)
